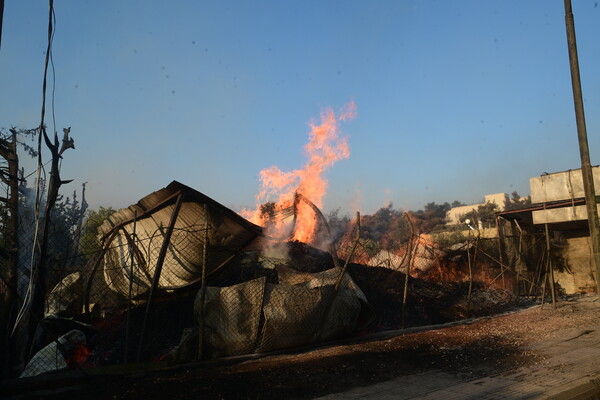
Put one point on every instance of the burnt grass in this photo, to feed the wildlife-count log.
(428, 302)
(331, 369)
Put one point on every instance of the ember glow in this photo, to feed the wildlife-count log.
(78, 356)
(325, 147)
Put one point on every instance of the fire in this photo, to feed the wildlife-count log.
(78, 355)
(324, 148)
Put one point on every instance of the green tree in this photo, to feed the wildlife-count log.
(89, 243)
(433, 216)
(516, 202)
(485, 213)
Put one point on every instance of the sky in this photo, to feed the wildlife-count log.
(454, 99)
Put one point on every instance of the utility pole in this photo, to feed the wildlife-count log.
(586, 168)
(1, 18)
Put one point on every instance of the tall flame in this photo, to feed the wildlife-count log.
(324, 148)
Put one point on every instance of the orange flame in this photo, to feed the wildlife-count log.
(78, 356)
(324, 148)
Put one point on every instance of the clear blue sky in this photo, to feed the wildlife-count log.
(455, 99)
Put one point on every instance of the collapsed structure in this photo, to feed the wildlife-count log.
(177, 249)
(179, 277)
(203, 234)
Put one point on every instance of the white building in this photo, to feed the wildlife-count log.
(454, 214)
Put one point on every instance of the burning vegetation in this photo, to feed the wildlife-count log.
(178, 277)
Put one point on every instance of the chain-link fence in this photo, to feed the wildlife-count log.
(139, 296)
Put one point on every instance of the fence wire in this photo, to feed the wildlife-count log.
(97, 313)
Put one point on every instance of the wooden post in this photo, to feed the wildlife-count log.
(584, 152)
(203, 285)
(500, 239)
(544, 286)
(471, 262)
(131, 275)
(356, 241)
(409, 254)
(331, 299)
(157, 271)
(549, 267)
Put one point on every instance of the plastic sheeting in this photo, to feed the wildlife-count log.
(227, 234)
(259, 317)
(232, 317)
(66, 296)
(51, 357)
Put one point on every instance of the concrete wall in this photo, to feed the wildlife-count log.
(579, 276)
(453, 215)
(486, 233)
(560, 186)
(498, 198)
(563, 214)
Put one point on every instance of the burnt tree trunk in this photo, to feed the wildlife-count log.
(41, 277)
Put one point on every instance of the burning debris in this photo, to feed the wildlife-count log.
(324, 148)
(260, 317)
(180, 277)
(253, 301)
(133, 251)
(67, 350)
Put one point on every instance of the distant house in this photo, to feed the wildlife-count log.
(454, 214)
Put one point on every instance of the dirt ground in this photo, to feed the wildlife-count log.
(486, 346)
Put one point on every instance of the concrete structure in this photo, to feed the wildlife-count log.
(561, 205)
(578, 274)
(455, 213)
(561, 186)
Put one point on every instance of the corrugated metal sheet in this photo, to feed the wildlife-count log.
(228, 233)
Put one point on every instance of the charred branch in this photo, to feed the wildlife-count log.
(39, 287)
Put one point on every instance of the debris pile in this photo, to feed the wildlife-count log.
(142, 299)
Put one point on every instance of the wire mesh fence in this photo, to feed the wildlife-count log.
(139, 296)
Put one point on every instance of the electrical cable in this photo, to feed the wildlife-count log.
(38, 194)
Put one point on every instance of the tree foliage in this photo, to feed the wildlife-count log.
(89, 243)
(431, 217)
(389, 228)
(64, 220)
(484, 215)
(516, 202)
(386, 226)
